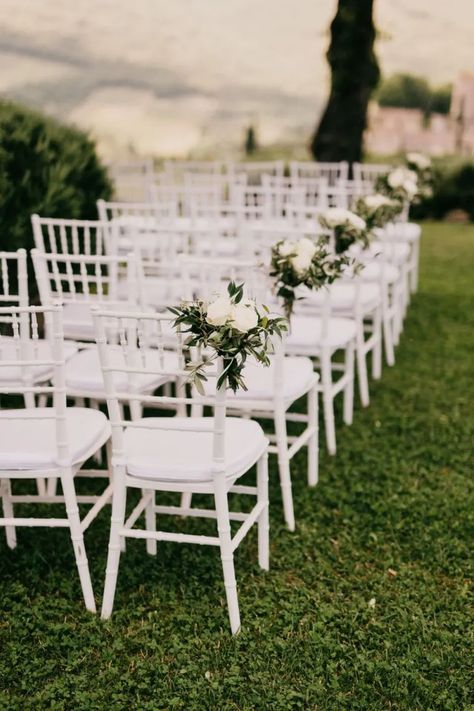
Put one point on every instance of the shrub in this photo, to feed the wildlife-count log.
(45, 167)
(453, 189)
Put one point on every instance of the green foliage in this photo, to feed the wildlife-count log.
(453, 189)
(303, 263)
(414, 92)
(251, 144)
(354, 75)
(45, 167)
(240, 331)
(390, 519)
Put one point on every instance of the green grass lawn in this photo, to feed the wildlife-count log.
(390, 522)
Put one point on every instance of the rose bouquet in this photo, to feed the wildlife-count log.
(230, 327)
(303, 263)
(347, 227)
(376, 210)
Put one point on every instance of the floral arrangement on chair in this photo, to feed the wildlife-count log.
(303, 263)
(400, 184)
(230, 327)
(423, 167)
(347, 227)
(376, 210)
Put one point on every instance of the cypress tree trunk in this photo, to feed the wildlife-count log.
(354, 75)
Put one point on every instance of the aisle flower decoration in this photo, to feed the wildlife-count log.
(303, 263)
(230, 327)
(376, 210)
(347, 227)
(400, 184)
(423, 167)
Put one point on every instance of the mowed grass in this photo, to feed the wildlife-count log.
(365, 605)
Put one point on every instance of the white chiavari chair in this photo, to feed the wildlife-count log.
(319, 334)
(186, 455)
(271, 391)
(47, 442)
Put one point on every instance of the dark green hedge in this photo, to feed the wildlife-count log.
(453, 189)
(45, 167)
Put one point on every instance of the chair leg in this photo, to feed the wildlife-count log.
(388, 335)
(5, 493)
(227, 556)
(115, 548)
(348, 402)
(377, 350)
(150, 522)
(77, 537)
(263, 526)
(313, 444)
(284, 465)
(362, 365)
(414, 272)
(328, 402)
(186, 499)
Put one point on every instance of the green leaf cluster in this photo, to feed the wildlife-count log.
(226, 341)
(324, 269)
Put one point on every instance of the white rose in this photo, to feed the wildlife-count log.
(335, 216)
(244, 317)
(301, 262)
(286, 248)
(373, 202)
(219, 311)
(410, 187)
(420, 160)
(357, 222)
(396, 178)
(306, 246)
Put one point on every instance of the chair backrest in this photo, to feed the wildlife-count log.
(142, 338)
(256, 170)
(125, 213)
(13, 280)
(332, 172)
(174, 170)
(204, 278)
(369, 172)
(84, 278)
(131, 178)
(64, 236)
(21, 351)
(281, 194)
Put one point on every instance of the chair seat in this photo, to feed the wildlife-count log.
(343, 296)
(83, 372)
(376, 270)
(223, 247)
(184, 455)
(396, 252)
(306, 333)
(406, 231)
(41, 350)
(298, 377)
(77, 320)
(29, 442)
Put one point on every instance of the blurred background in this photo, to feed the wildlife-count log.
(200, 78)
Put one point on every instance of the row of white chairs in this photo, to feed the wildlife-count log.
(134, 179)
(89, 265)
